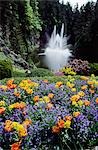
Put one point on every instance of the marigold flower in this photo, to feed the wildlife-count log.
(67, 124)
(50, 95)
(84, 87)
(4, 87)
(68, 118)
(73, 89)
(23, 133)
(27, 122)
(18, 105)
(20, 128)
(2, 103)
(91, 91)
(81, 93)
(46, 81)
(90, 82)
(17, 94)
(2, 110)
(84, 78)
(15, 146)
(46, 99)
(80, 103)
(86, 103)
(8, 126)
(58, 84)
(61, 123)
(76, 114)
(10, 82)
(96, 100)
(70, 85)
(49, 106)
(55, 129)
(36, 98)
(29, 91)
(74, 103)
(75, 98)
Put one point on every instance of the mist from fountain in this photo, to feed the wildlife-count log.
(57, 52)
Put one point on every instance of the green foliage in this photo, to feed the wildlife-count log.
(94, 68)
(20, 27)
(40, 72)
(17, 72)
(5, 69)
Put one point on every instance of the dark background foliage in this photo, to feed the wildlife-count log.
(26, 24)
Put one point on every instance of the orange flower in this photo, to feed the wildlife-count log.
(10, 82)
(75, 98)
(97, 100)
(84, 87)
(58, 84)
(20, 105)
(86, 103)
(50, 95)
(91, 91)
(8, 125)
(76, 114)
(92, 86)
(17, 94)
(46, 81)
(27, 122)
(61, 123)
(15, 146)
(36, 98)
(49, 106)
(68, 118)
(90, 82)
(55, 129)
(2, 110)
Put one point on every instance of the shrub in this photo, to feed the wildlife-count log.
(79, 66)
(40, 72)
(5, 69)
(94, 68)
(17, 72)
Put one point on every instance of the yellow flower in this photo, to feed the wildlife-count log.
(11, 106)
(67, 124)
(75, 98)
(81, 93)
(70, 85)
(46, 99)
(58, 84)
(74, 103)
(84, 78)
(76, 114)
(20, 128)
(4, 87)
(2, 103)
(90, 82)
(29, 91)
(73, 89)
(80, 103)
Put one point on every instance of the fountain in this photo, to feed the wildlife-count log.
(57, 53)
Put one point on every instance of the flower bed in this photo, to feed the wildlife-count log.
(48, 116)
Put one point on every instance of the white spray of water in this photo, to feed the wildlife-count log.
(57, 52)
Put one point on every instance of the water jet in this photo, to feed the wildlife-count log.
(57, 53)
